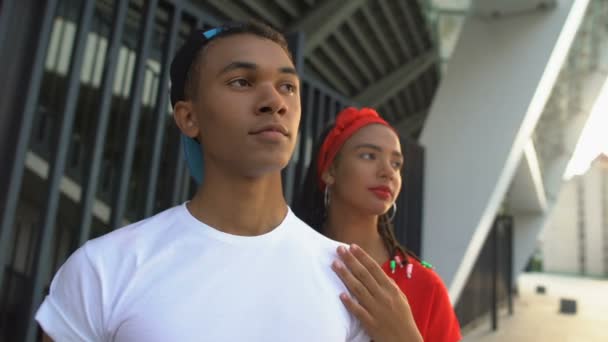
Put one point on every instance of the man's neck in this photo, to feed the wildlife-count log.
(345, 226)
(240, 205)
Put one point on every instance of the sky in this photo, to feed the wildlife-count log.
(594, 137)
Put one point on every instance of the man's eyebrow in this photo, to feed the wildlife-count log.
(288, 70)
(238, 65)
(252, 66)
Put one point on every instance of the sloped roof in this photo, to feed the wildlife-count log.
(377, 53)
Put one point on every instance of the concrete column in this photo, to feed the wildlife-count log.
(485, 110)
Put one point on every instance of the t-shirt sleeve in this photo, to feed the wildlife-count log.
(73, 309)
(443, 325)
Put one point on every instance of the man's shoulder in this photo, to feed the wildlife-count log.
(308, 232)
(311, 238)
(130, 237)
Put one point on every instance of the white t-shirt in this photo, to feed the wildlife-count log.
(174, 278)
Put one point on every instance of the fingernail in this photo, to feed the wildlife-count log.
(336, 265)
(343, 296)
(354, 247)
(341, 250)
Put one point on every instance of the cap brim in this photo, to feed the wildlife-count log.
(194, 158)
(179, 69)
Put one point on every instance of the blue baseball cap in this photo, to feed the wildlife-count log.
(180, 66)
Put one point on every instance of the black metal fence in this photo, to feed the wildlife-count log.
(490, 284)
(87, 140)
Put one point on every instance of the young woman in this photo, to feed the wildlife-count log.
(349, 195)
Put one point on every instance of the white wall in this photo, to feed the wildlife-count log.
(593, 222)
(561, 242)
(559, 245)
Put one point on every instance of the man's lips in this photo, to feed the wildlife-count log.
(278, 128)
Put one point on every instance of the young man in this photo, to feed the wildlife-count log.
(234, 263)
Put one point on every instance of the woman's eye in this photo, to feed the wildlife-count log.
(239, 83)
(369, 156)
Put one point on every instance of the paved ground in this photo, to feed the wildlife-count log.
(537, 316)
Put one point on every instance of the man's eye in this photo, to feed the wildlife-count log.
(288, 88)
(239, 83)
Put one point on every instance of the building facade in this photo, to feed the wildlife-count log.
(576, 238)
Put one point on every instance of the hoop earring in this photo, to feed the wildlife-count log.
(393, 214)
(326, 197)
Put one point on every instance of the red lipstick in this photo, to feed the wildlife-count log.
(382, 192)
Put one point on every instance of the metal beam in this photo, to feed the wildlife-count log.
(367, 47)
(416, 30)
(180, 170)
(296, 46)
(6, 9)
(404, 104)
(338, 61)
(198, 10)
(121, 187)
(387, 108)
(91, 178)
(322, 87)
(7, 216)
(265, 12)
(42, 265)
(420, 95)
(288, 7)
(230, 9)
(398, 31)
(409, 99)
(413, 96)
(397, 110)
(336, 82)
(411, 123)
(451, 11)
(388, 50)
(527, 191)
(395, 81)
(161, 111)
(354, 56)
(426, 86)
(324, 20)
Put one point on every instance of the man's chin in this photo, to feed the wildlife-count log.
(263, 168)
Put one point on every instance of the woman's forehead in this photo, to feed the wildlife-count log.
(375, 134)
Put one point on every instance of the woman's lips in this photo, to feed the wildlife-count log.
(382, 193)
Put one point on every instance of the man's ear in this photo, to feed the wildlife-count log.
(185, 118)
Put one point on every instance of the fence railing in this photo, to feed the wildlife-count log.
(96, 147)
(490, 283)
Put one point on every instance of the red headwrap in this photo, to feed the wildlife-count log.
(348, 122)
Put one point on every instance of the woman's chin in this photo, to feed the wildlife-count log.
(377, 210)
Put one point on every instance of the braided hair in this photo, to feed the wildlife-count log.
(309, 206)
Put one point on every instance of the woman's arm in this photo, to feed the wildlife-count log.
(379, 304)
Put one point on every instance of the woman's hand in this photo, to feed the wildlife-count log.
(379, 304)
